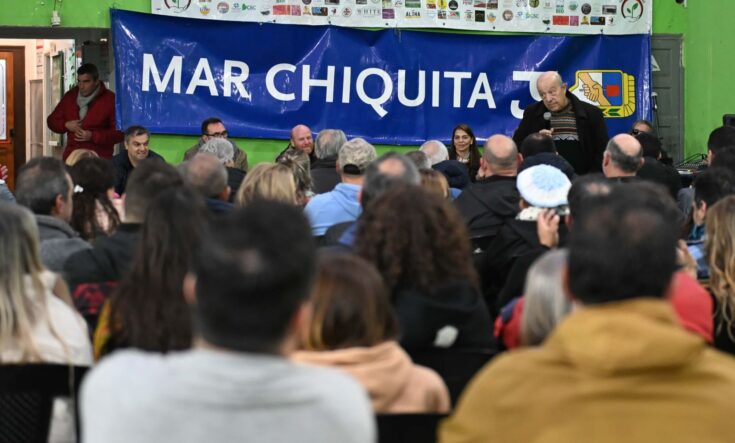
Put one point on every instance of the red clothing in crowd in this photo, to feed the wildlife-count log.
(100, 120)
(691, 302)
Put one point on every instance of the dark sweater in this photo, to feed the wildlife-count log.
(487, 205)
(108, 259)
(430, 320)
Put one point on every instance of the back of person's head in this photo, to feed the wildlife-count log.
(151, 177)
(253, 275)
(205, 174)
(149, 309)
(89, 69)
(536, 143)
(720, 138)
(78, 154)
(720, 249)
(500, 154)
(543, 186)
(712, 185)
(434, 182)
(586, 188)
(725, 158)
(328, 143)
(39, 182)
(354, 156)
(18, 302)
(350, 306)
(388, 171)
(93, 177)
(298, 162)
(545, 303)
(625, 152)
(650, 144)
(220, 148)
(436, 151)
(621, 248)
(416, 240)
(268, 181)
(419, 159)
(654, 196)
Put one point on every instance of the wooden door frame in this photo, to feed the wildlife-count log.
(19, 105)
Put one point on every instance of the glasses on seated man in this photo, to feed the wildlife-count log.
(222, 134)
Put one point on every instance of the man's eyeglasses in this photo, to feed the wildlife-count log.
(635, 131)
(222, 134)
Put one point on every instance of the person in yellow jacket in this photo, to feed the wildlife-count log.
(619, 368)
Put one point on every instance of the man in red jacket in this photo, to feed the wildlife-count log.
(86, 114)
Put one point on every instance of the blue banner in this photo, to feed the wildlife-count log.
(392, 87)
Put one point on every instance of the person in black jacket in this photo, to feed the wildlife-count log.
(136, 150)
(540, 187)
(419, 245)
(486, 205)
(578, 128)
(653, 168)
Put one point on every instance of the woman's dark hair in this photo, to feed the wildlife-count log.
(148, 311)
(415, 239)
(95, 177)
(350, 306)
(474, 164)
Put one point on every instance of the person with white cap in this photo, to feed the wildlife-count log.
(540, 187)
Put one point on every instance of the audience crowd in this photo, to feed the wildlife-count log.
(295, 300)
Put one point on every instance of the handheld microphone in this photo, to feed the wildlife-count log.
(547, 117)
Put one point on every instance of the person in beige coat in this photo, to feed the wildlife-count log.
(353, 328)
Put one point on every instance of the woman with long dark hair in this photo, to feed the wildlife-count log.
(148, 311)
(94, 213)
(463, 148)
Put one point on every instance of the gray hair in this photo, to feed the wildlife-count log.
(420, 159)
(388, 171)
(357, 152)
(435, 150)
(205, 174)
(220, 148)
(328, 142)
(628, 163)
(39, 182)
(545, 304)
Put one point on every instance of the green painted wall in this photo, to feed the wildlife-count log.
(709, 45)
(710, 59)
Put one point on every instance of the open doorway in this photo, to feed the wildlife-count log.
(37, 66)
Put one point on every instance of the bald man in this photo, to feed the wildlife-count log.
(486, 204)
(578, 128)
(622, 159)
(302, 139)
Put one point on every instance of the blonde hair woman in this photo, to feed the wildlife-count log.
(268, 181)
(720, 247)
(79, 154)
(38, 322)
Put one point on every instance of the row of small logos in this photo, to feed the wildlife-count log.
(478, 16)
(604, 14)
